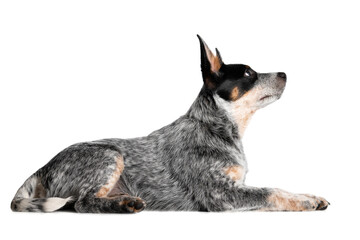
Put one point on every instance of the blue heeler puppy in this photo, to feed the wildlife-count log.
(196, 163)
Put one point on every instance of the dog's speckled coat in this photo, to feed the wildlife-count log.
(197, 163)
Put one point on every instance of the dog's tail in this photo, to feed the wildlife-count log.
(31, 197)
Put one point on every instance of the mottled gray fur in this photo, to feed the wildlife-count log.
(178, 167)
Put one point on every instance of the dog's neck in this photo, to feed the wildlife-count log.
(239, 111)
(208, 111)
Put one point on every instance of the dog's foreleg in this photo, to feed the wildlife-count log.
(268, 199)
(280, 200)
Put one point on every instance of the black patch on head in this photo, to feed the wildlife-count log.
(237, 76)
(227, 77)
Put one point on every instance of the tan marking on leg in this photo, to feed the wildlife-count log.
(104, 190)
(284, 201)
(116, 190)
(322, 202)
(235, 173)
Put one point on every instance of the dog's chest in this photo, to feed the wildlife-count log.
(235, 170)
(238, 153)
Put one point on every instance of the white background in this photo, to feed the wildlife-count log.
(74, 71)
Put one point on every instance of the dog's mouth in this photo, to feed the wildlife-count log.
(266, 97)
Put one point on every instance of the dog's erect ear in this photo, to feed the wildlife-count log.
(219, 56)
(208, 60)
(210, 64)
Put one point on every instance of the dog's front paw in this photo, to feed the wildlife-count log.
(281, 200)
(318, 203)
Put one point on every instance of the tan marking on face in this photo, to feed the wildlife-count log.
(106, 189)
(234, 94)
(244, 108)
(235, 173)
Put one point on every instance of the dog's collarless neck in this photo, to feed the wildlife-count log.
(205, 110)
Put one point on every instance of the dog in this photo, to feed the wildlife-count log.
(196, 163)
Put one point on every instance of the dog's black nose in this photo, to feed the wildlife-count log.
(281, 75)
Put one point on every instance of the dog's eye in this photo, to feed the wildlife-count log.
(247, 72)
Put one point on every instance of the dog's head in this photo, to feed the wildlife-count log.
(238, 88)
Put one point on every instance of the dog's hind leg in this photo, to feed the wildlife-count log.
(115, 204)
(85, 176)
(108, 199)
